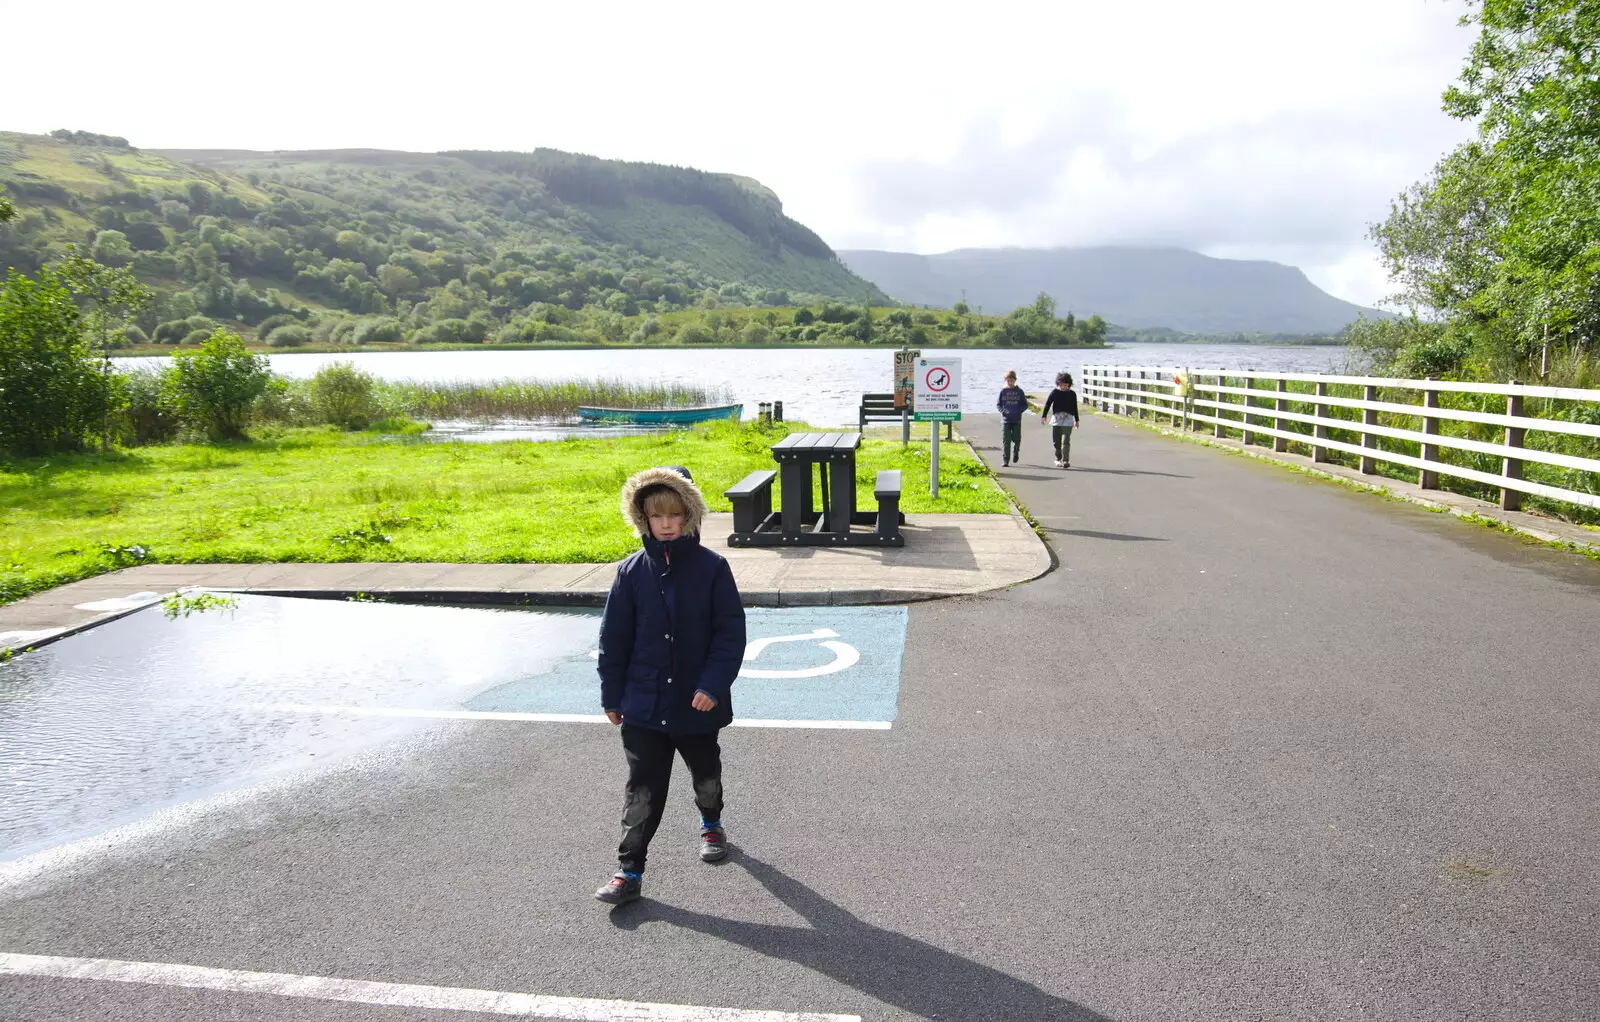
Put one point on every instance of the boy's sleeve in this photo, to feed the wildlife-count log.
(616, 643)
(726, 655)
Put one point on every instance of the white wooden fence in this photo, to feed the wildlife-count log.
(1259, 404)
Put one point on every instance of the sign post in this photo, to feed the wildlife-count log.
(905, 367)
(937, 392)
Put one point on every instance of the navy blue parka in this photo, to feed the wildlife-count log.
(673, 623)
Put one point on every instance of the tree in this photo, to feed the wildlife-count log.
(217, 385)
(111, 248)
(1093, 330)
(1503, 240)
(110, 295)
(8, 212)
(51, 397)
(397, 280)
(1044, 306)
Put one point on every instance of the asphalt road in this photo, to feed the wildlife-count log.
(1260, 747)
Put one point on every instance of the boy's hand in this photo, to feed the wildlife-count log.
(614, 717)
(703, 702)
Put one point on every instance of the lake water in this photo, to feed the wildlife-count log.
(822, 386)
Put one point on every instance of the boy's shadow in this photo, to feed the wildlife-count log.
(891, 967)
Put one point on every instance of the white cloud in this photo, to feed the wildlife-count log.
(1245, 125)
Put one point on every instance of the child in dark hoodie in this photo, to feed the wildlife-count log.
(672, 640)
(1012, 404)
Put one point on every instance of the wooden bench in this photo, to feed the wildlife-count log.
(877, 406)
(752, 500)
(887, 490)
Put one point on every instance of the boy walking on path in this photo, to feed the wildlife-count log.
(1061, 411)
(672, 640)
(1012, 404)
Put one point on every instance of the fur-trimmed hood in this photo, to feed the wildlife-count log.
(676, 479)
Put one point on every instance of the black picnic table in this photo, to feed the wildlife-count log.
(798, 522)
(834, 455)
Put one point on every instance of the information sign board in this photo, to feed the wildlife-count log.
(905, 365)
(937, 389)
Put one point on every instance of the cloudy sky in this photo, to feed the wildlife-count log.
(1270, 129)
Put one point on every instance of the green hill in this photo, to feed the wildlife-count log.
(1135, 288)
(357, 245)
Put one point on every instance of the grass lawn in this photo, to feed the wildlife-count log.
(321, 495)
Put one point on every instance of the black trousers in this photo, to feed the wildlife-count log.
(649, 776)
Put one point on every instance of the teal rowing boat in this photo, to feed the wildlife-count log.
(659, 416)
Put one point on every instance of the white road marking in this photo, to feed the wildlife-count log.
(559, 718)
(398, 995)
(754, 648)
(844, 656)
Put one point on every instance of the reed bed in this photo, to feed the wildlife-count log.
(535, 399)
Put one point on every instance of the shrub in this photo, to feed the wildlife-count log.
(271, 323)
(453, 331)
(694, 333)
(382, 330)
(342, 396)
(804, 317)
(131, 334)
(291, 336)
(171, 332)
(52, 394)
(285, 401)
(1438, 357)
(195, 337)
(149, 408)
(755, 333)
(217, 385)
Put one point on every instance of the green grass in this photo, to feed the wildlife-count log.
(320, 495)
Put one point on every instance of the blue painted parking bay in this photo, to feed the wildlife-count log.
(803, 667)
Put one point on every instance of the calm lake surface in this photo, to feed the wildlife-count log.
(819, 386)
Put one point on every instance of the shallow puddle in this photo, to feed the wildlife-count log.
(108, 725)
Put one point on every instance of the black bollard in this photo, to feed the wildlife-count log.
(777, 411)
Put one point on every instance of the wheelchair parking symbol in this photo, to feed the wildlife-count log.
(844, 656)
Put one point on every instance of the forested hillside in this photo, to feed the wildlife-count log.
(354, 246)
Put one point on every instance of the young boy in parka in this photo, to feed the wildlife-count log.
(672, 640)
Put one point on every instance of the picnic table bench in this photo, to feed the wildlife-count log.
(798, 522)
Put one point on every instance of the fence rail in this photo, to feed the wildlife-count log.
(1413, 424)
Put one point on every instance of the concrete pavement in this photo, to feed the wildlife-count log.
(944, 555)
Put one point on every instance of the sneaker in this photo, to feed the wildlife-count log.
(713, 843)
(1005, 464)
(1058, 463)
(623, 888)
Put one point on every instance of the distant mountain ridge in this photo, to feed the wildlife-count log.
(1135, 288)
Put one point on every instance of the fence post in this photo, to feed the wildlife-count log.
(1221, 381)
(1249, 402)
(1320, 430)
(1369, 417)
(1511, 500)
(1429, 479)
(1280, 443)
